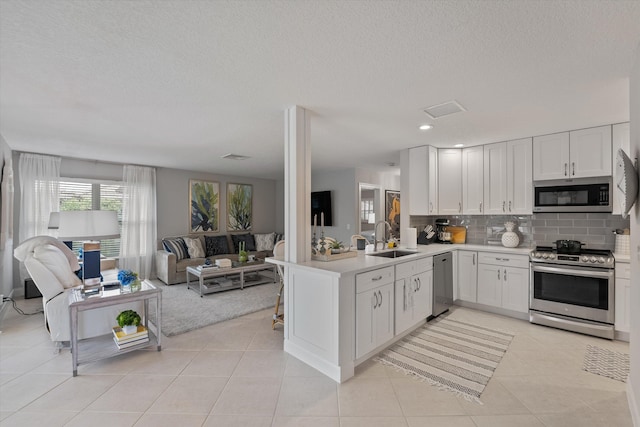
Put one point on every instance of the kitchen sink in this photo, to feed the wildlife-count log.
(392, 254)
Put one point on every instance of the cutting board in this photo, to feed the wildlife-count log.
(458, 233)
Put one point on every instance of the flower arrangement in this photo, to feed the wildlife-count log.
(127, 277)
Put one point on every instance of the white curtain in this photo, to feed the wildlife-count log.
(139, 224)
(39, 193)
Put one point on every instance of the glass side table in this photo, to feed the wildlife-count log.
(102, 347)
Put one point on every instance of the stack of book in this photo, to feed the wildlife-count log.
(123, 340)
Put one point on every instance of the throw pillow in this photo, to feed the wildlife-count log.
(194, 247)
(265, 242)
(56, 262)
(250, 243)
(216, 245)
(177, 247)
(278, 237)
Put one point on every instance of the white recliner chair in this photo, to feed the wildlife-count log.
(51, 265)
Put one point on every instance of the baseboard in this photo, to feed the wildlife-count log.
(633, 407)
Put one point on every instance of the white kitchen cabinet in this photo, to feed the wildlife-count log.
(413, 293)
(423, 180)
(508, 186)
(621, 138)
(503, 281)
(472, 180)
(374, 309)
(576, 154)
(495, 178)
(467, 275)
(622, 296)
(449, 181)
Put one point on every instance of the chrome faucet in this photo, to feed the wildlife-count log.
(384, 234)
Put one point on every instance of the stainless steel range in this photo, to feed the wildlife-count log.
(573, 288)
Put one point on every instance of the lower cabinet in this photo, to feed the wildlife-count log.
(374, 309)
(503, 281)
(413, 293)
(622, 296)
(467, 275)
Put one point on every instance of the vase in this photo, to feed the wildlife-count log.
(136, 285)
(129, 329)
(242, 256)
(510, 238)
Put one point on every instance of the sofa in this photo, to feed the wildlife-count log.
(175, 254)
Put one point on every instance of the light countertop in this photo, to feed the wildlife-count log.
(365, 262)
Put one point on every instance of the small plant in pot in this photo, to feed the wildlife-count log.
(336, 247)
(128, 320)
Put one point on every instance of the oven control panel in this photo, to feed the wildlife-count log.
(596, 260)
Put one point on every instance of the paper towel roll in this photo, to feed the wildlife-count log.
(410, 238)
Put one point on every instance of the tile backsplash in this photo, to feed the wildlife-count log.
(594, 229)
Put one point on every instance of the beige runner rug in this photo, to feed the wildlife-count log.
(453, 355)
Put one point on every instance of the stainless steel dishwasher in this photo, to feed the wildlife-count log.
(442, 283)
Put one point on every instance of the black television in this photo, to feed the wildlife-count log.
(321, 203)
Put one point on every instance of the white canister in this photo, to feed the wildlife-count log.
(510, 238)
(410, 238)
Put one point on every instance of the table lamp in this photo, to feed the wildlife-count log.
(89, 226)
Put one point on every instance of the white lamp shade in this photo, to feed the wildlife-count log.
(84, 225)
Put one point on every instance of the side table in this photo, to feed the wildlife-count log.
(102, 347)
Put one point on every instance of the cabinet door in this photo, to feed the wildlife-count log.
(490, 279)
(422, 304)
(590, 152)
(404, 302)
(449, 181)
(467, 276)
(551, 156)
(433, 180)
(515, 289)
(383, 315)
(365, 336)
(472, 180)
(620, 139)
(495, 173)
(519, 177)
(418, 181)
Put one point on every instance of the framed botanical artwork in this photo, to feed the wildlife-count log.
(392, 211)
(239, 201)
(204, 206)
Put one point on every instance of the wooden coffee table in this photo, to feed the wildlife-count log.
(238, 276)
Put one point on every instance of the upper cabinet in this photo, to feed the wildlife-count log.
(576, 154)
(508, 178)
(449, 181)
(621, 139)
(472, 178)
(423, 180)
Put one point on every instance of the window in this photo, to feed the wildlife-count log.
(76, 195)
(366, 208)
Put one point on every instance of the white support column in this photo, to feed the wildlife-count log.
(297, 185)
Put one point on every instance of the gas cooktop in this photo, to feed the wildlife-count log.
(587, 257)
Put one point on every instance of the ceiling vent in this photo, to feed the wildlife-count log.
(231, 156)
(446, 109)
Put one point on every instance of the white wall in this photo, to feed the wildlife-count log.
(6, 254)
(634, 378)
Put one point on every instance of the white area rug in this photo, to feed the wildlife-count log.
(608, 363)
(183, 310)
(455, 356)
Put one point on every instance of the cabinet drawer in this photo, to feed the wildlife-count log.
(373, 279)
(406, 269)
(623, 270)
(502, 259)
(424, 264)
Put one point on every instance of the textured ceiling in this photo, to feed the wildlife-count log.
(180, 83)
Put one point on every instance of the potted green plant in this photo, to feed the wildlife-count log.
(242, 253)
(336, 247)
(128, 320)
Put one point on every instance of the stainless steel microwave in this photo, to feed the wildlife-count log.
(573, 195)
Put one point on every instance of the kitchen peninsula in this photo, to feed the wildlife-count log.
(339, 314)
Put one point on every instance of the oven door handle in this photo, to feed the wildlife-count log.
(568, 271)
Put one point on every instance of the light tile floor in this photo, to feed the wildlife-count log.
(235, 373)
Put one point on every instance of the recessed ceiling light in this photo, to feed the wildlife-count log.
(459, 145)
(425, 127)
(231, 156)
